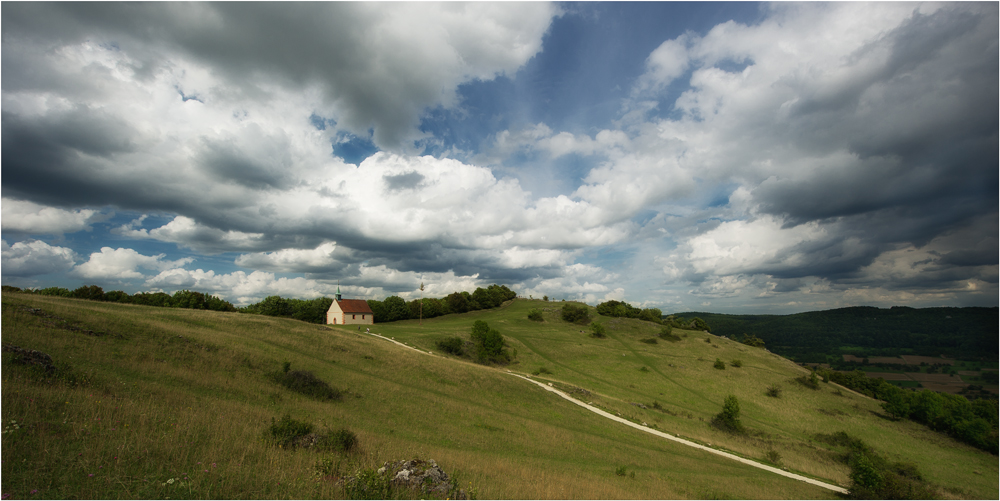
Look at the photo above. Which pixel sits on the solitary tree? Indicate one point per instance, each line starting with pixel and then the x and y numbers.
pixel 729 418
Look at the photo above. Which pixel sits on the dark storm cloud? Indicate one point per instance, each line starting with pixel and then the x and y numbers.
pixel 356 52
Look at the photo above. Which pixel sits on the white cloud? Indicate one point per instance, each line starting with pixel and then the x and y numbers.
pixel 28 217
pixel 122 264
pixel 189 233
pixel 25 259
pixel 294 260
pixel 736 247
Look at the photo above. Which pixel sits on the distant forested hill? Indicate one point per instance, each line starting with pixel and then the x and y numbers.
pixel 967 333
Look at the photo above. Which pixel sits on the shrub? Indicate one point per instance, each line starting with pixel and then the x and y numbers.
pixel 719 364
pixel 597 330
pixel 810 381
pixel 489 344
pixel 736 363
pixel 308 384
pixel 342 440
pixel 542 370
pixel 535 315
pixel 575 314
pixel 729 418
pixel 773 456
pixel 774 391
pixel 667 333
pixel 451 345
pixel 286 431
pixel 644 369
pixel 621 471
pixel 752 340
pixel 649 340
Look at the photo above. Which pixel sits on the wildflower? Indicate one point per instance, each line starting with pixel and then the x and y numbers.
pixel 91 475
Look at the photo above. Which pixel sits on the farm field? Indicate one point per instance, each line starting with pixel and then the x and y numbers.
pixel 157 394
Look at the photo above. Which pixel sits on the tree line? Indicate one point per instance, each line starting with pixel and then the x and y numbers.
pixel 180 299
pixel 395 308
pixel 390 309
pixel 615 308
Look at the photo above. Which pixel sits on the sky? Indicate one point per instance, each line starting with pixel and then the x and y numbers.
pixel 724 157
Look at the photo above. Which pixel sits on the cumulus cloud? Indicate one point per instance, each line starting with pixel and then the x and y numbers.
pixel 320 259
pixel 187 232
pixel 31 218
pixel 25 259
pixel 122 264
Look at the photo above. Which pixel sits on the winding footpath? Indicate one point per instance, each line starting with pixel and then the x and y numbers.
pixel 688 443
pixel 608 415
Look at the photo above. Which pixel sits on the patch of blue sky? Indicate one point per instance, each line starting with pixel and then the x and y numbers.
pixel 353 149
pixel 320 122
pixel 644 216
pixel 545 177
pixel 591 57
pixel 719 195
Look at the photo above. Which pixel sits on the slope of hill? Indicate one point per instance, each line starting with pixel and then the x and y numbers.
pixel 148 395
pixel 966 333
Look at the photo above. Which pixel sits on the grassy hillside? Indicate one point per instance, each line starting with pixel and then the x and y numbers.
pixel 144 395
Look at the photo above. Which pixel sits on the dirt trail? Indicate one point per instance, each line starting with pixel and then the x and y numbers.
pixel 658 433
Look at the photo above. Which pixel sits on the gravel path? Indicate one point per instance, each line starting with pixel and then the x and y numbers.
pixel 658 433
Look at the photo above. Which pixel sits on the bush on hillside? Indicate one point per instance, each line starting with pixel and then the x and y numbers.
pixel 773 391
pixel 597 330
pixel 667 333
pixel 453 345
pixel 575 314
pixel 719 364
pixel 535 315
pixel 306 383
pixel 810 381
pixel 489 344
pixel 287 431
pixel 291 433
pixel 729 418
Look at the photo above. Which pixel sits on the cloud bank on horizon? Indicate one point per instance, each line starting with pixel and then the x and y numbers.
pixel 725 157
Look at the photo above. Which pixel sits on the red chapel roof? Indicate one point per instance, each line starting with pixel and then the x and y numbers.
pixel 354 306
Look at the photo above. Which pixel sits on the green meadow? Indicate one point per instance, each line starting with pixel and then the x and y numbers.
pixel 170 403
